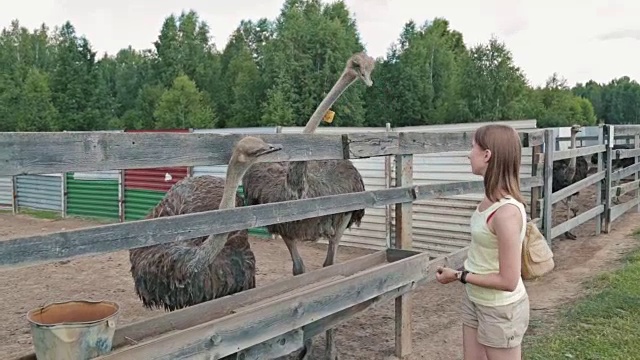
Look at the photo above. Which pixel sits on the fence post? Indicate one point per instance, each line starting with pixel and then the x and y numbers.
pixel 535 191
pixel 389 208
pixel 14 195
pixel 636 142
pixel 403 240
pixel 547 214
pixel 609 138
pixel 63 188
pixel 599 183
pixel 121 214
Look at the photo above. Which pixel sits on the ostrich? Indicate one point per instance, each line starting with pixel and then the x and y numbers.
pixel 567 172
pixel 184 273
pixel 617 164
pixel 274 182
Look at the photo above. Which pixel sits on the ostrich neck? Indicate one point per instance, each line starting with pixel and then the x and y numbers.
pixel 338 88
pixel 296 181
pixel 212 246
pixel 572 162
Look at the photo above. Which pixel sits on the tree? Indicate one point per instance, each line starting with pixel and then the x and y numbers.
pixel 183 106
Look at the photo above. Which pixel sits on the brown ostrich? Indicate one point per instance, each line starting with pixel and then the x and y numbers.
pixel 283 181
pixel 179 274
pixel 567 172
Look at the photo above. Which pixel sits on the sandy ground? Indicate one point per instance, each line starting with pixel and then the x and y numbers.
pixel 436 325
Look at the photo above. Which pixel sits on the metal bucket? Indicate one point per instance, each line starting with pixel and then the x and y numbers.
pixel 73 330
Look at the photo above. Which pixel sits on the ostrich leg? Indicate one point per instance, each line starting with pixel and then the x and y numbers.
pixel 568 234
pixel 330 351
pixel 298 265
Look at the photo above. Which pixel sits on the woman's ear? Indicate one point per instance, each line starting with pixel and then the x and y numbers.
pixel 487 155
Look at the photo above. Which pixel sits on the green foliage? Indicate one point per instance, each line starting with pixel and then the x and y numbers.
pixel 276 72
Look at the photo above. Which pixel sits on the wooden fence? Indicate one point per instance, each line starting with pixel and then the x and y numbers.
pixel 607 175
pixel 271 320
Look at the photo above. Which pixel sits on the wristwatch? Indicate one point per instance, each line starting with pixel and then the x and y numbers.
pixel 462 276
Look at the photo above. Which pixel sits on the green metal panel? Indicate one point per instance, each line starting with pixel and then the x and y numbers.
pixel 92 198
pixel 138 203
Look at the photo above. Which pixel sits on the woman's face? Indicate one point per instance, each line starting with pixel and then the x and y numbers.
pixel 479 159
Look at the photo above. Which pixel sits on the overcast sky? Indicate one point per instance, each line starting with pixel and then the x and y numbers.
pixel 581 40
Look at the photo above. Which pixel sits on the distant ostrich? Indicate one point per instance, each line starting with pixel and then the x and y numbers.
pixel 179 274
pixel 617 164
pixel 567 172
pixel 275 182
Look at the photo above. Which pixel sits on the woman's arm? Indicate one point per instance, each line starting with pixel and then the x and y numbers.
pixel 506 223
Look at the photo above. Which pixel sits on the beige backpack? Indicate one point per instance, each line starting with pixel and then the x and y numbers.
pixel 537 257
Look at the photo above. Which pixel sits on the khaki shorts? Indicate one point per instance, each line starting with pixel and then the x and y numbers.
pixel 498 326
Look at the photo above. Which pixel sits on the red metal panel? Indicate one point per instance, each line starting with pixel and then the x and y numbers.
pixel 158 179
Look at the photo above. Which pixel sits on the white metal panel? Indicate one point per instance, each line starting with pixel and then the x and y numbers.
pixel 40 191
pixel 441 226
pixel 6 191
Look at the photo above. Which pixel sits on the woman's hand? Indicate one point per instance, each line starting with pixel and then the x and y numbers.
pixel 445 275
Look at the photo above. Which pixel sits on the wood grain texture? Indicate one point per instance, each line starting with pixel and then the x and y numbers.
pixel 255 325
pixel 582 151
pixel 51 152
pixel 36 249
pixel 577 221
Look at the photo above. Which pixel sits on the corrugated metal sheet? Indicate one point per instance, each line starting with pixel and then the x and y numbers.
pixel 93 194
pixel 441 226
pixel 6 191
pixel 43 192
pixel 144 188
pixel 138 203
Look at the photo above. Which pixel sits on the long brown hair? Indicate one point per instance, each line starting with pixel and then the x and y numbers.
pixel 503 170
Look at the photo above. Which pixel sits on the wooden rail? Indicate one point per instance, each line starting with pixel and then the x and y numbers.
pixel 41 153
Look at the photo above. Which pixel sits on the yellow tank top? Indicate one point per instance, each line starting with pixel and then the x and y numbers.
pixel 482 257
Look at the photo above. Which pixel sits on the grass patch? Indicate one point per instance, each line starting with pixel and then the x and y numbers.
pixel 40 214
pixel 603 325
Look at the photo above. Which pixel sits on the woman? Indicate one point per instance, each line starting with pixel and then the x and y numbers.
pixel 495 306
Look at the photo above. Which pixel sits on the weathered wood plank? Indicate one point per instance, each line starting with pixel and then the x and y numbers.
pixel 625 188
pixel 619 210
pixel 122 236
pixel 200 313
pixel 255 325
pixel 608 166
pixel 627 130
pixel 403 240
pixel 454 260
pixel 101 239
pixel 50 152
pixel 547 216
pixel 575 187
pixel 576 221
pixel 623 173
pixel 582 151
pixel 536 167
pixel 363 145
pixel 627 153
pixel 424 192
pixel 599 197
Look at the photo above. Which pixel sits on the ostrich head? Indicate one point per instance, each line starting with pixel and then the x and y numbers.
pixel 361 65
pixel 576 129
pixel 249 149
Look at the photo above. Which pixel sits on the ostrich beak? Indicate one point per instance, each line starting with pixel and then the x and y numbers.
pixel 270 148
pixel 367 80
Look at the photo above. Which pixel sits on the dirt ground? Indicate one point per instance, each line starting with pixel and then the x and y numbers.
pixel 436 325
